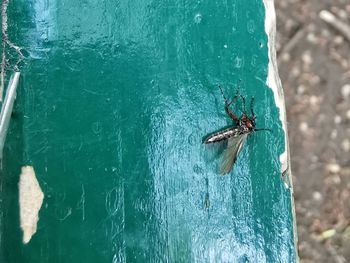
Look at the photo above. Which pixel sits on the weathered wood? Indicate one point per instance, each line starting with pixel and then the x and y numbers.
pixel 115 100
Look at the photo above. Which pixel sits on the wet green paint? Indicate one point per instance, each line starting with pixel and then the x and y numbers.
pixel 114 101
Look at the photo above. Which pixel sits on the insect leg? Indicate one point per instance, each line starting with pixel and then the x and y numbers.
pixel 231 114
pixel 244 108
pixel 252 108
pixel 222 93
pixel 227 105
pixel 233 100
pixel 229 111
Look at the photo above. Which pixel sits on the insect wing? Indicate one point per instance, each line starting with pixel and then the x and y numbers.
pixel 234 146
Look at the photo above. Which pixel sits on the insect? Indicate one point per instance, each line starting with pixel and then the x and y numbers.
pixel 236 135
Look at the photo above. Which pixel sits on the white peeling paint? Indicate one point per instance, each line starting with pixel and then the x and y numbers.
pixel 273 80
pixel 30 201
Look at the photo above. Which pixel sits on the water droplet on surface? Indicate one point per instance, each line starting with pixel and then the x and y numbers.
pixel 197 18
pixel 238 62
pixel 251 26
pixel 192 139
pixel 96 127
pixel 254 60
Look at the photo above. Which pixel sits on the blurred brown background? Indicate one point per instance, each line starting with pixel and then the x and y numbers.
pixel 314 66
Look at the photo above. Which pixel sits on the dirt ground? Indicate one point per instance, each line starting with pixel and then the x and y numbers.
pixel 314 66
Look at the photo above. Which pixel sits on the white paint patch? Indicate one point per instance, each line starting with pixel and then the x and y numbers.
pixel 30 201
pixel 273 80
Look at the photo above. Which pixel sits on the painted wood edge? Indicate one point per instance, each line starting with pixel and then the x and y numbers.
pixel 274 82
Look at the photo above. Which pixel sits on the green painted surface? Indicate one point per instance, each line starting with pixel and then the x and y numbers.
pixel 114 101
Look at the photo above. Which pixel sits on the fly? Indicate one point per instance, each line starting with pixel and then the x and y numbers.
pixel 236 135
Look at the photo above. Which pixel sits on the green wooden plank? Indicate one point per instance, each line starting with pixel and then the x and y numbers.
pixel 115 99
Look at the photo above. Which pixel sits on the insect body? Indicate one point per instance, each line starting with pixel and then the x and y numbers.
pixel 236 135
